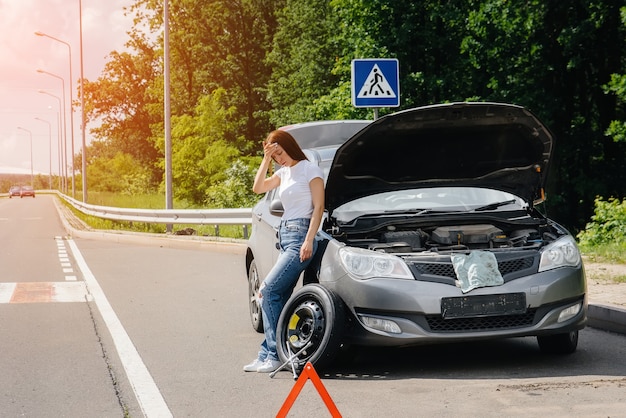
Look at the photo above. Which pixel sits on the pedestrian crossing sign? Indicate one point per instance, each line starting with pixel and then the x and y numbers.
pixel 375 83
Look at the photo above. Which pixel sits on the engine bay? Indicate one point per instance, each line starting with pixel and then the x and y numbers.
pixel 392 239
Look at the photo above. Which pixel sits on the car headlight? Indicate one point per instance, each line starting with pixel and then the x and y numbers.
pixel 561 253
pixel 366 264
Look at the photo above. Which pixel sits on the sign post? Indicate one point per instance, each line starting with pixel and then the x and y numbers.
pixel 375 83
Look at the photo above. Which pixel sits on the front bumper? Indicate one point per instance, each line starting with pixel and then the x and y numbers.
pixel 412 308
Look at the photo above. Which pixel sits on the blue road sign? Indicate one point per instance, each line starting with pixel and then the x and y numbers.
pixel 375 83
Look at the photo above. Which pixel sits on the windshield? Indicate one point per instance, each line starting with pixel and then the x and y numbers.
pixel 425 200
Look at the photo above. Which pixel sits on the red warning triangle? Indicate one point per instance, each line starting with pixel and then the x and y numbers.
pixel 308 373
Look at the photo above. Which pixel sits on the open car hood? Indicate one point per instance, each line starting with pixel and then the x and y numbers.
pixel 492 145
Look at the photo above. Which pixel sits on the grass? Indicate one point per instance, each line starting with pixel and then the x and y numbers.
pixel 149 201
pixel 614 253
pixel 143 201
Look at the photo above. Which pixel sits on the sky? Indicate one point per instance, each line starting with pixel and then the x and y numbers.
pixel 22 53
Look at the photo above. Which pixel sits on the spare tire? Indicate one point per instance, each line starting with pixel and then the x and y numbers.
pixel 312 323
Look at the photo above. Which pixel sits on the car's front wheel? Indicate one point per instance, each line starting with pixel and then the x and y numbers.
pixel 254 283
pixel 311 324
pixel 565 343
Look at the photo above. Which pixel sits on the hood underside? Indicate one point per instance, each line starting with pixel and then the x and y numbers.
pixel 491 145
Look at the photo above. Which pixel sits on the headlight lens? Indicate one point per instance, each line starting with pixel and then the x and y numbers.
pixel 561 253
pixel 366 264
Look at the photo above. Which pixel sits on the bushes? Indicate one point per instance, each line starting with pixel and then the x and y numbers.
pixel 605 235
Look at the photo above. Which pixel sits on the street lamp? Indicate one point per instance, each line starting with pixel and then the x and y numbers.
pixel 64 128
pixel 32 182
pixel 50 142
pixel 69 48
pixel 82 99
pixel 62 156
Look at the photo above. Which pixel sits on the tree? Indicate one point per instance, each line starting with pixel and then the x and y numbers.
pixel 126 104
pixel 554 57
pixel 201 153
pixel 288 61
pixel 119 174
pixel 302 59
pixel 219 44
pixel 236 189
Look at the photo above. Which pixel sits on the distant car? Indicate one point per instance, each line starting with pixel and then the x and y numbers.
pixel 27 191
pixel 432 234
pixel 14 191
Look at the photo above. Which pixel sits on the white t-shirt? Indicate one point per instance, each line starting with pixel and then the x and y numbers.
pixel 295 191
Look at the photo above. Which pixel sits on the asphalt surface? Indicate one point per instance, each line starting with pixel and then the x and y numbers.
pixel 606 302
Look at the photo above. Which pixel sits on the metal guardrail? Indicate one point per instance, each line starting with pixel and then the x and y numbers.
pixel 214 217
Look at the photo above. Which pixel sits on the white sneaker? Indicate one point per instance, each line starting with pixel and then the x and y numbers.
pixel 269 366
pixel 254 366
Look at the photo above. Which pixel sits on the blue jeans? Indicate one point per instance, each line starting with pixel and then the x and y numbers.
pixel 281 280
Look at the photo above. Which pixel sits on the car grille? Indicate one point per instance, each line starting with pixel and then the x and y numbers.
pixel 445 269
pixel 438 324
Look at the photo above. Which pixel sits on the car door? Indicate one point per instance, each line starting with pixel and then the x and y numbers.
pixel 266 249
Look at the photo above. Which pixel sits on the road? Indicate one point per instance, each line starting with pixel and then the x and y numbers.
pixel 100 328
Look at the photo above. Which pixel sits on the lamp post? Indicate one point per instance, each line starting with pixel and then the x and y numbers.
pixel 69 48
pixel 50 142
pixel 62 157
pixel 64 128
pixel 82 101
pixel 32 181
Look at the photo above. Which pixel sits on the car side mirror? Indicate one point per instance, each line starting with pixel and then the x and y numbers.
pixel 276 207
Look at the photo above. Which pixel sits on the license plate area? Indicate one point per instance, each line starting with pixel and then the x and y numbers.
pixel 483 305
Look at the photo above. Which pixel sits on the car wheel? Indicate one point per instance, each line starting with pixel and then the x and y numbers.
pixel 314 317
pixel 559 343
pixel 256 317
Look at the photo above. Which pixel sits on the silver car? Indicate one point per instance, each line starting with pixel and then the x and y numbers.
pixel 432 233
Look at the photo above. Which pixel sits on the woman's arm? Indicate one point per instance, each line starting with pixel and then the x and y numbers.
pixel 317 194
pixel 262 183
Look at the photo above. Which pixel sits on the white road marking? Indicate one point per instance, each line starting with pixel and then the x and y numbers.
pixel 148 395
pixel 70 292
pixel 6 292
pixel 43 292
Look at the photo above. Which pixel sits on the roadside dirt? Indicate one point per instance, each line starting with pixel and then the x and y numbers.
pixel 606 283
pixel 605 272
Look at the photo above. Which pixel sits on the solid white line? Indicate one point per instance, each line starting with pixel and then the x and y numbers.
pixel 148 395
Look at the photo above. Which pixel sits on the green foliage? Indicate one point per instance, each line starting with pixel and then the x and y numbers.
pixel 138 201
pixel 200 152
pixel 241 67
pixel 607 226
pixel 121 101
pixel 236 190
pixel 301 64
pixel 617 86
pixel 119 174
pixel 40 181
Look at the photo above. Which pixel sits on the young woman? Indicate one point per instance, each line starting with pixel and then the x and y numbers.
pixel 301 190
